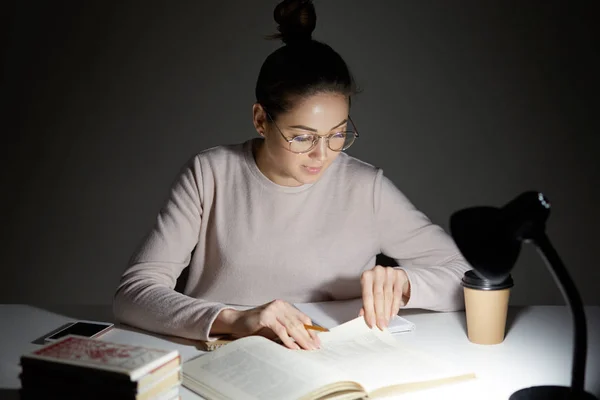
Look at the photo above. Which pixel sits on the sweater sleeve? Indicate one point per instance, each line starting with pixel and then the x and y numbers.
pixel 145 297
pixel 429 256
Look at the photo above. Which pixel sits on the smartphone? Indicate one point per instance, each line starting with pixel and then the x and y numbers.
pixel 88 329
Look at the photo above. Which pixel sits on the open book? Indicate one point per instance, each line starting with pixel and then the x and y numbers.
pixel 353 362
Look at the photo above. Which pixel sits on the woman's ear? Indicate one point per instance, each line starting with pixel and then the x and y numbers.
pixel 259 118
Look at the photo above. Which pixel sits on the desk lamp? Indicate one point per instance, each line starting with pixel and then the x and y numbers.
pixel 490 240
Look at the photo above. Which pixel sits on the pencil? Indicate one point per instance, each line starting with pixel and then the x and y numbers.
pixel 316 328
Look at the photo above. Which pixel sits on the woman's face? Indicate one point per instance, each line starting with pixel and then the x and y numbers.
pixel 321 114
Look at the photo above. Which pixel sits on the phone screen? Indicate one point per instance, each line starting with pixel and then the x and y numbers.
pixel 87 329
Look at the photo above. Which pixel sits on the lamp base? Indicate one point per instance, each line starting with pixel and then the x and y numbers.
pixel 550 393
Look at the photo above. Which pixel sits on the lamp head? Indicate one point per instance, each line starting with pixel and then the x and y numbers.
pixel 490 238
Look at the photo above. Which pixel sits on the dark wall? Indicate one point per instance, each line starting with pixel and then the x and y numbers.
pixel 463 103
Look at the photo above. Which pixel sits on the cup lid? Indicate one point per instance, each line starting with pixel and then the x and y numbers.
pixel 474 281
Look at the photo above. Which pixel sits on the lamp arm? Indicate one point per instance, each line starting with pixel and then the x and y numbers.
pixel 569 290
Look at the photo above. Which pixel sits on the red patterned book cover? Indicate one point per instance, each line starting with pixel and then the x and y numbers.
pixel 133 361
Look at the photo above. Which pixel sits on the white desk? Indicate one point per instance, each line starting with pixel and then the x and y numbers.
pixel 536 351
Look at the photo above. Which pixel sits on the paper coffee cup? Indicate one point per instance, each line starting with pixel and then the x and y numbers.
pixel 486 306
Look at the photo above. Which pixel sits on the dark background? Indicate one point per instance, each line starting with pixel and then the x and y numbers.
pixel 463 103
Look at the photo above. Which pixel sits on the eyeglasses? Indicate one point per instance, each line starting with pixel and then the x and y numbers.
pixel 338 141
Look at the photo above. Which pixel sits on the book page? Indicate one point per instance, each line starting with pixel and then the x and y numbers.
pixel 257 368
pixel 374 358
pixel 330 314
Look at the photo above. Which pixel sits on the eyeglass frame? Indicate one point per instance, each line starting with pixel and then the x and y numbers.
pixel 319 137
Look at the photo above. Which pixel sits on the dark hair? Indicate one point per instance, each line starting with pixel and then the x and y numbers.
pixel 303 66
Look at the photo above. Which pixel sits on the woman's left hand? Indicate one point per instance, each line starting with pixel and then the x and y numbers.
pixel 384 291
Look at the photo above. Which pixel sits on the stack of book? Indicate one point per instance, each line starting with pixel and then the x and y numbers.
pixel 76 367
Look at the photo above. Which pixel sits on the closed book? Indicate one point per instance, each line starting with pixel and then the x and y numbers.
pixel 41 394
pixel 86 389
pixel 96 362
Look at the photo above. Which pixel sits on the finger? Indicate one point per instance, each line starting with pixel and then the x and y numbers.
pixel 367 298
pixel 305 319
pixel 361 312
pixel 378 297
pixel 295 328
pixel 282 333
pixel 388 293
pixel 398 292
pixel 315 338
pixel 397 302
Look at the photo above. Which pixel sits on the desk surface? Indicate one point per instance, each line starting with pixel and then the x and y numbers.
pixel 536 351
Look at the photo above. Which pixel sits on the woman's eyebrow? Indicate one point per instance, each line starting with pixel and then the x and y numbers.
pixel 306 128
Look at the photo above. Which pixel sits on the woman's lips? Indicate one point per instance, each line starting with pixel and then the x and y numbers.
pixel 312 170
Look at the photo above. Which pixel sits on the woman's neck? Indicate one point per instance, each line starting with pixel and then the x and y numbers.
pixel 267 167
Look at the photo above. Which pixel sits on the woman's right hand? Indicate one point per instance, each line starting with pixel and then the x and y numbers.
pixel 275 319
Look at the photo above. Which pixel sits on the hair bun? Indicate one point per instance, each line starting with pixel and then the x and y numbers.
pixel 297 20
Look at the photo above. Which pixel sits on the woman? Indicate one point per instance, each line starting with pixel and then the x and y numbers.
pixel 287 217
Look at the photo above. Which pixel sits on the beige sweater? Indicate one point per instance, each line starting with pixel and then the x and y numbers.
pixel 247 241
